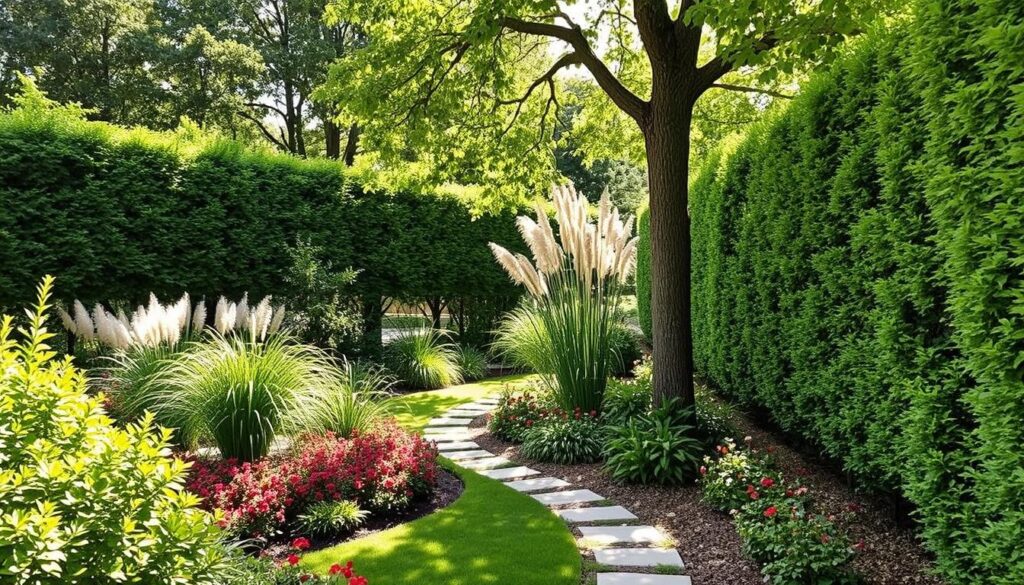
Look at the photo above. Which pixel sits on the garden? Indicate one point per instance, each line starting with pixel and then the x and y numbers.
pixel 539 293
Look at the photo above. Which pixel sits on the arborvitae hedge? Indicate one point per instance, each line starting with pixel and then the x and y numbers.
pixel 859 272
pixel 116 214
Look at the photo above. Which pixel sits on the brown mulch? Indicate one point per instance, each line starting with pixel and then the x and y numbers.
pixel 707 540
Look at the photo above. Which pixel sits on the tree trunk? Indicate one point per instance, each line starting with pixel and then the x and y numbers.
pixel 667 140
pixel 332 134
pixel 351 144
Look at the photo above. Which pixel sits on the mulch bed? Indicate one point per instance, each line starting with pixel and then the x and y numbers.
pixel 707 540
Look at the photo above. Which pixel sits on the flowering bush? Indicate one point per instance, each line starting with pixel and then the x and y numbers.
pixel 514 415
pixel 288 571
pixel 382 469
pixel 774 520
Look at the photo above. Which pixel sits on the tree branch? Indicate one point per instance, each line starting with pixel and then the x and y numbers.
pixel 263 130
pixel 549 79
pixel 746 89
pixel 625 99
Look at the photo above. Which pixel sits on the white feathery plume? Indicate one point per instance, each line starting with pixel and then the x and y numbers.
pixel 275 323
pixel 83 324
pixel 230 317
pixel 199 317
pixel 67 320
pixel 259 321
pixel 184 308
pixel 220 316
pixel 242 312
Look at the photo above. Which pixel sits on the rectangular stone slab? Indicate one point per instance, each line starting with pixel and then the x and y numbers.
pixel 447 421
pixel 454 436
pixel 622 534
pixel 638 557
pixel 509 472
pixel 457 446
pixel 471 454
pixel 538 484
pixel 461 413
pixel 596 514
pixel 567 497
pixel 638 579
pixel 485 463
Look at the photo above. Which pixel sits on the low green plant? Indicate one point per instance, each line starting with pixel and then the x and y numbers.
pixel 625 400
pixel 241 393
pixel 714 417
pixel 331 518
pixel 423 360
pixel 472 362
pixel 131 376
pixel 657 447
pixel 82 501
pixel 354 401
pixel 521 340
pixel 516 413
pixel 724 478
pixel 624 347
pixel 573 439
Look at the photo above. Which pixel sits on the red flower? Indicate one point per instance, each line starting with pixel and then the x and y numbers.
pixel 300 543
pixel 358 581
pixel 860 546
pixel 334 570
pixel 767 482
pixel 304 577
pixel 293 559
pixel 703 470
pixel 789 493
pixel 770 512
pixel 752 492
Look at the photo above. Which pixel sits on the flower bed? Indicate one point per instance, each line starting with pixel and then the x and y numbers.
pixel 380 471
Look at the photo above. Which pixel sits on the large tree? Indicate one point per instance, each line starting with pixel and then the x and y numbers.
pixel 451 72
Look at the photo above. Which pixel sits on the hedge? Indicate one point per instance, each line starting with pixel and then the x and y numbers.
pixel 116 214
pixel 859 274
pixel 643 270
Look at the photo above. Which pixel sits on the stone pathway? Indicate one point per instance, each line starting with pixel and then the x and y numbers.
pixel 621 547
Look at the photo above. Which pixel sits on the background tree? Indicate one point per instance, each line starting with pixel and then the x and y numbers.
pixel 454 73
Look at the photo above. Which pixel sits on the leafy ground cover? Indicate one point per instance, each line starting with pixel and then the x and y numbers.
pixel 491 534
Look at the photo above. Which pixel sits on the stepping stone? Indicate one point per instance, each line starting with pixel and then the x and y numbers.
pixel 567 497
pixel 466 412
pixel 447 421
pixel 487 401
pixel 638 557
pixel 453 435
pixel 457 446
pixel 622 535
pixel 471 454
pixel 485 463
pixel 640 579
pixel 598 514
pixel 509 472
pixel 538 484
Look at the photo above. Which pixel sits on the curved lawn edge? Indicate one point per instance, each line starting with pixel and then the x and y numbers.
pixel 490 534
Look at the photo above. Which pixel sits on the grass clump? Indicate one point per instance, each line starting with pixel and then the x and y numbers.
pixel 423 360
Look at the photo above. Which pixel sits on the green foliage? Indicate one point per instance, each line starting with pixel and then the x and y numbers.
pixel 353 401
pixel 132 380
pixel 80 500
pixel 327 313
pixel 643 270
pixel 625 400
pixel 856 272
pixel 192 213
pixel 241 394
pixel 423 360
pixel 522 341
pixel 331 518
pixel 658 447
pixel 564 440
pixel 624 348
pixel 516 414
pixel 472 362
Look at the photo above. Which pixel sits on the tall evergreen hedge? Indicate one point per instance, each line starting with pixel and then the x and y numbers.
pixel 859 273
pixel 116 214
pixel 643 270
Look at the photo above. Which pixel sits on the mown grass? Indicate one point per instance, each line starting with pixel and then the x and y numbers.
pixel 491 534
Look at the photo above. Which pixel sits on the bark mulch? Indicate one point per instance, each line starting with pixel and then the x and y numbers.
pixel 707 539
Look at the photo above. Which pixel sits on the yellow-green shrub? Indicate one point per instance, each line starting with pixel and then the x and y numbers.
pixel 80 500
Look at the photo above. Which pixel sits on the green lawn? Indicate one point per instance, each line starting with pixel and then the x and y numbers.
pixel 491 534
pixel 413 411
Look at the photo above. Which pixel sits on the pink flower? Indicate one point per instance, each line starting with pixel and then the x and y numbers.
pixel 770 512
pixel 767 482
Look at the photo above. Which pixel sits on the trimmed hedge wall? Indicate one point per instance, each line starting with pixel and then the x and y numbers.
pixel 116 214
pixel 859 273
pixel 643 270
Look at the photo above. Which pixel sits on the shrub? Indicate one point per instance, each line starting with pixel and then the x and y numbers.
pixel 423 360
pixel 331 518
pixel 643 270
pixel 329 315
pixel 80 500
pixel 724 479
pixel 624 347
pixel 515 414
pixel 472 362
pixel 625 400
pixel 575 287
pixel 241 393
pixel 522 341
pixel 658 447
pixel 573 439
